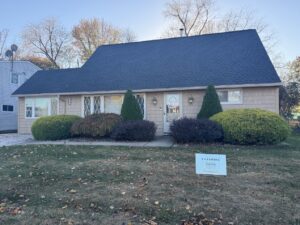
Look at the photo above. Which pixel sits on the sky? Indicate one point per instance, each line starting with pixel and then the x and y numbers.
pixel 145 17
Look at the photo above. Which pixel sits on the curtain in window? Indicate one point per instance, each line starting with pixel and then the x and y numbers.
pixel 113 104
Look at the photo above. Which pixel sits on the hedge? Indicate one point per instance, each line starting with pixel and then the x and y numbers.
pixel 252 126
pixel 96 125
pixel 53 127
pixel 188 130
pixel 138 130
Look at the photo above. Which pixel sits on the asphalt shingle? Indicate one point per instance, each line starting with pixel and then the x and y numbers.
pixel 231 58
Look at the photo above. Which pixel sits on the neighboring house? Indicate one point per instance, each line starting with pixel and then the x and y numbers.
pixel 12 75
pixel 168 76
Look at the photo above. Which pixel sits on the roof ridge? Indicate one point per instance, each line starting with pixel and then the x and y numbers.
pixel 173 38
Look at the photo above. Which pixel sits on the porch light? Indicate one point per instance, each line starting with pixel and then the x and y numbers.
pixel 154 101
pixel 191 100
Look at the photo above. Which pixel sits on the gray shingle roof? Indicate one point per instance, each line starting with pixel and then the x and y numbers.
pixel 231 58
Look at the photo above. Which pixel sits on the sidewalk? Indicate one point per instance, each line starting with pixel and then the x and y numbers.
pixel 18 139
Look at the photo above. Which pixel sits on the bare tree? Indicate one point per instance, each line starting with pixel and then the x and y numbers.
pixel 192 16
pixel 42 62
pixel 198 17
pixel 48 39
pixel 3 37
pixel 128 35
pixel 247 19
pixel 92 33
pixel 293 74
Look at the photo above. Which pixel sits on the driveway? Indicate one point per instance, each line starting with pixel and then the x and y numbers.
pixel 14 139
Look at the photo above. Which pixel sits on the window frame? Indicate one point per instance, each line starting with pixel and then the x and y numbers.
pixel 49 99
pixel 228 102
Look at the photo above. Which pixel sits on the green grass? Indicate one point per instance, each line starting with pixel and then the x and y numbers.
pixel 109 185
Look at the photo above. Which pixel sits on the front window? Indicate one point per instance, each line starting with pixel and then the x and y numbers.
pixel 38 107
pixel 113 104
pixel 87 106
pixel 107 104
pixel 230 96
pixel 141 100
pixel 41 107
pixel 97 104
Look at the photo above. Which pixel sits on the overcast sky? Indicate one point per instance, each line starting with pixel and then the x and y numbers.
pixel 145 17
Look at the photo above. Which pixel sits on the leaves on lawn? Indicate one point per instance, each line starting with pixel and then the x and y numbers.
pixel 201 219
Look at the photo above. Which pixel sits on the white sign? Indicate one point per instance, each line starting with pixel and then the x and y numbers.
pixel 211 164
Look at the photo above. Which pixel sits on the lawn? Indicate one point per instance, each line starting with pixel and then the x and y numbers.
pixel 111 185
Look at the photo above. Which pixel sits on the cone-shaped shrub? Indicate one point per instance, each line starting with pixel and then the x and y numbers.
pixel 211 103
pixel 130 108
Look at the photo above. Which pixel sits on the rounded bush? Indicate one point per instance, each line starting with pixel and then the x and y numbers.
pixel 135 130
pixel 53 127
pixel 96 125
pixel 188 130
pixel 252 126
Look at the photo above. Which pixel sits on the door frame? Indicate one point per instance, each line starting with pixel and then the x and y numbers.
pixel 166 126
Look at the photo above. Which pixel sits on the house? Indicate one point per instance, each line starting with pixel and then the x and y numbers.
pixel 168 76
pixel 12 75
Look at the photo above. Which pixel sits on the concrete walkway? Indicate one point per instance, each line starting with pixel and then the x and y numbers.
pixel 18 139
pixel 14 139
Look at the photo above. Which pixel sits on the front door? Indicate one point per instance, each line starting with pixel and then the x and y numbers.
pixel 172 109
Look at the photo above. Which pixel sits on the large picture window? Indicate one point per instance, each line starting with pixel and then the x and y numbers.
pixel 38 107
pixel 230 96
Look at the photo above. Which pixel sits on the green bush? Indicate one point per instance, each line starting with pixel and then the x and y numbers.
pixel 130 108
pixel 53 127
pixel 252 126
pixel 211 103
pixel 96 125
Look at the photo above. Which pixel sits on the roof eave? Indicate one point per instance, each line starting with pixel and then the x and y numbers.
pixel 154 89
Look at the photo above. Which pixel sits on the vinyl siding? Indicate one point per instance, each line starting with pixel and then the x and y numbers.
pixel 155 113
pixel 25 69
pixel 261 97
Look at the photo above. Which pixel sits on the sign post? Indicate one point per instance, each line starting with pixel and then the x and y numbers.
pixel 211 164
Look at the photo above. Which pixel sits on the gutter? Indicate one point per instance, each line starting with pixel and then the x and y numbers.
pixel 154 90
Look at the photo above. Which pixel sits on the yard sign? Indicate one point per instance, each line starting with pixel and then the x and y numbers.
pixel 211 164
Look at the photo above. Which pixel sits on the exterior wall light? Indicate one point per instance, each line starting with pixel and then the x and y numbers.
pixel 154 101
pixel 191 100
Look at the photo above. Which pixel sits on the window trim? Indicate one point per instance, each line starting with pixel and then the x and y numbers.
pixel 232 103
pixel 33 106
